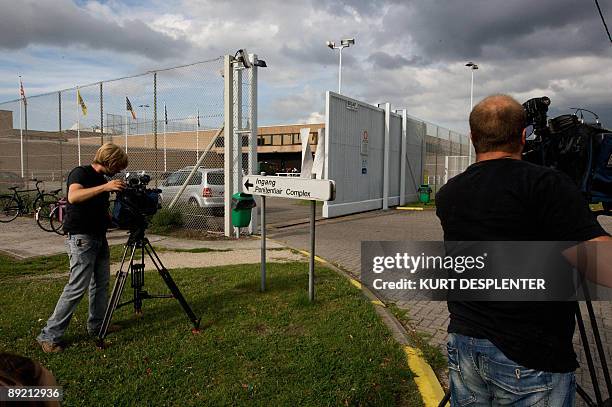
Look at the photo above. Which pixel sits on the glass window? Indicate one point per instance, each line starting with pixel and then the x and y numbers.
pixel 215 178
pixel 276 139
pixel 196 179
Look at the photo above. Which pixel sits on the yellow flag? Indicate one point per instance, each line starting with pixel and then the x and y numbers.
pixel 81 103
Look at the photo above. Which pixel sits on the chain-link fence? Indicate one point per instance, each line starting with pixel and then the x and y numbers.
pixel 166 120
pixel 440 145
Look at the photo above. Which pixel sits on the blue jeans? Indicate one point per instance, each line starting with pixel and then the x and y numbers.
pixel 480 375
pixel 89 267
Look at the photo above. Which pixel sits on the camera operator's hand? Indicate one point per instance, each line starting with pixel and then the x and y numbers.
pixel 114 185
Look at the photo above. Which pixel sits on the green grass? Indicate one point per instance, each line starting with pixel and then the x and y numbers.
pixel 432 354
pixel 269 349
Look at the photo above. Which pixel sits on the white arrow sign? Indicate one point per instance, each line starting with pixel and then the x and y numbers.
pixel 289 187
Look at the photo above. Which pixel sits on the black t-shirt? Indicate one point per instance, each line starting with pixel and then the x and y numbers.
pixel 90 216
pixel 513 200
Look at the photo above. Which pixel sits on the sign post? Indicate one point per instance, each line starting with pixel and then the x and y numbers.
pixel 290 188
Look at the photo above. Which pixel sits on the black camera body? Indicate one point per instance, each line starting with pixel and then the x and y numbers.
pixel 567 143
pixel 135 205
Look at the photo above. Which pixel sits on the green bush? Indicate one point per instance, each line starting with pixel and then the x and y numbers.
pixel 166 220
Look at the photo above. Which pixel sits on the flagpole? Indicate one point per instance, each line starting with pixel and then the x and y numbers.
pixel 21 124
pixel 165 125
pixel 126 125
pixel 78 126
pixel 198 135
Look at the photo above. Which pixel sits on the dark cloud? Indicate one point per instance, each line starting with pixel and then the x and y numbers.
pixel 382 60
pixel 61 23
pixel 467 29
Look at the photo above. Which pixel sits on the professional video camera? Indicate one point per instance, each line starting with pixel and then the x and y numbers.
pixel 136 203
pixel 568 143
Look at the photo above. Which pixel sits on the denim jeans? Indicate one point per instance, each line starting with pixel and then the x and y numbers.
pixel 89 267
pixel 480 375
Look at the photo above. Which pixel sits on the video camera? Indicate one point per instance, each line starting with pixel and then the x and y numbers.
pixel 136 203
pixel 568 143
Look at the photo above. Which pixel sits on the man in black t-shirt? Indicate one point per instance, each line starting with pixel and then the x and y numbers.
pixel 511 352
pixel 86 221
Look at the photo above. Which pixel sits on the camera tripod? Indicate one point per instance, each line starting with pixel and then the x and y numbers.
pixel 137 242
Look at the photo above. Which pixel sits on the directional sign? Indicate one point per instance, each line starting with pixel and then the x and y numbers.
pixel 289 187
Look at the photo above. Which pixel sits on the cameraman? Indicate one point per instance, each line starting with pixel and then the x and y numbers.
pixel 511 352
pixel 87 219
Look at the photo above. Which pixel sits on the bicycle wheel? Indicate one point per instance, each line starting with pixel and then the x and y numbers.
pixel 56 218
pixel 43 205
pixel 9 208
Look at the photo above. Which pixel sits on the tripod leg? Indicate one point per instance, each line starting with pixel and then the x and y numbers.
pixel 116 295
pixel 138 282
pixel 587 353
pixel 165 275
pixel 600 349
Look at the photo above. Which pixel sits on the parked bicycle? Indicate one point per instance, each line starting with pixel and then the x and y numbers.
pixel 57 216
pixel 17 204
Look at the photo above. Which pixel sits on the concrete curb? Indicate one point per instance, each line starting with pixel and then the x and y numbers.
pixel 425 378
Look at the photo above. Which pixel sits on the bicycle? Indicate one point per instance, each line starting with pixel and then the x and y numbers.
pixel 14 205
pixel 57 215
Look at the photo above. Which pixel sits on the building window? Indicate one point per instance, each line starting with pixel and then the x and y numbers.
pixel 287 139
pixel 296 138
pixel 267 140
pixel 277 139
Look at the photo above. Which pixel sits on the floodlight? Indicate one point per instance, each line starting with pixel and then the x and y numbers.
pixel 347 41
pixel 331 44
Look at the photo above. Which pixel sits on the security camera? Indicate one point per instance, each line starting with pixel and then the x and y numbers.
pixel 243 56
pixel 331 44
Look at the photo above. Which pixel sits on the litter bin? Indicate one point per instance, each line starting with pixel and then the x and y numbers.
pixel 424 193
pixel 241 209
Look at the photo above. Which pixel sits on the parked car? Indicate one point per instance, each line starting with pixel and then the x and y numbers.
pixel 10 179
pixel 205 189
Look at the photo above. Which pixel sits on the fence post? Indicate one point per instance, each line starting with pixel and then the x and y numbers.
pixel 61 137
pixel 403 149
pixel 228 112
pixel 385 203
pixel 155 125
pixel 101 115
pixel 253 136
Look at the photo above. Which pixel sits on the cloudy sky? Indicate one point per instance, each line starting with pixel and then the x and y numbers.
pixel 409 53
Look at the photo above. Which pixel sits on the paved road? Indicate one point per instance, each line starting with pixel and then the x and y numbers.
pixel 338 240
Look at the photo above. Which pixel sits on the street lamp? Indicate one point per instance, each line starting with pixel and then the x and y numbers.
pixel 472 67
pixel 144 119
pixel 345 43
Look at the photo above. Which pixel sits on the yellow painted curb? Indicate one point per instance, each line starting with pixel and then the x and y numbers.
pixel 317 258
pixel 409 208
pixel 425 379
pixel 356 283
pixel 379 303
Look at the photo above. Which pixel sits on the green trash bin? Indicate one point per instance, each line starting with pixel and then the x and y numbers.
pixel 241 209
pixel 424 193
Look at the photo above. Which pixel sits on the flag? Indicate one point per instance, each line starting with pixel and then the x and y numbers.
pixel 128 107
pixel 165 115
pixel 81 103
pixel 198 119
pixel 22 92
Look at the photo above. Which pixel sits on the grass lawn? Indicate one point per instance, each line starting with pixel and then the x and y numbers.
pixel 269 349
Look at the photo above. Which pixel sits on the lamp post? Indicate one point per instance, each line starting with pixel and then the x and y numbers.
pixel 345 43
pixel 472 67
pixel 144 119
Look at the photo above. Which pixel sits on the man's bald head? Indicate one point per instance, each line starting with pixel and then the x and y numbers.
pixel 497 124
